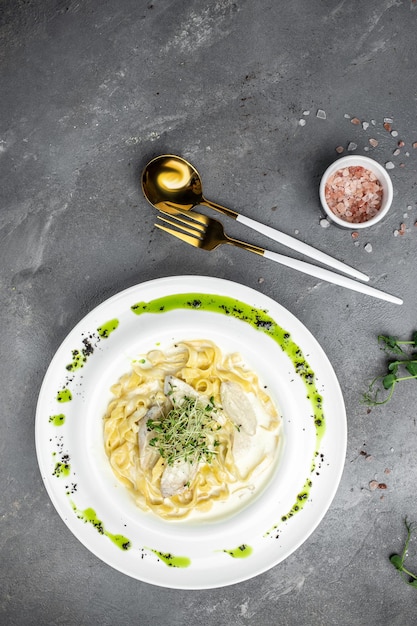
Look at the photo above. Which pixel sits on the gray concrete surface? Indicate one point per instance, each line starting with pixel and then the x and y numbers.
pixel 92 90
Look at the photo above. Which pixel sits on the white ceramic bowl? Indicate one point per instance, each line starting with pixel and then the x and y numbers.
pixel 371 165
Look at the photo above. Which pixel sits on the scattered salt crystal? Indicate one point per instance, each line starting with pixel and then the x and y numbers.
pixel 296 232
pixel 352 146
pixel 321 114
pixel 373 485
pixel 261 280
pixel 365 125
pixel 389 165
pixel 355 121
pixel 394 133
pixel 324 223
pixel 366 148
pixel 347 116
pixel 373 122
pixel 388 120
pixel 368 247
pixel 405 215
pixel 356 243
pixel 306 112
pixel 396 233
pixel 339 149
pixel 373 142
pixel 396 152
pixel 302 122
pixel 407 154
pixel 409 207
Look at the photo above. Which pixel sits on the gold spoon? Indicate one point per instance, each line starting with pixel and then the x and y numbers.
pixel 169 182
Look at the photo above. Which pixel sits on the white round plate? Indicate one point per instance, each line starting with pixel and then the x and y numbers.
pixel 97 508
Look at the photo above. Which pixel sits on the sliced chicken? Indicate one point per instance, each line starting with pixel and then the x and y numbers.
pixel 177 390
pixel 242 451
pixel 237 407
pixel 148 455
pixel 177 477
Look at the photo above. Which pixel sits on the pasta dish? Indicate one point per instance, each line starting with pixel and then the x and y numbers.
pixel 189 427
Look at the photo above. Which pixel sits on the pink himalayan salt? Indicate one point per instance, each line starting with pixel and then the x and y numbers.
pixel 354 194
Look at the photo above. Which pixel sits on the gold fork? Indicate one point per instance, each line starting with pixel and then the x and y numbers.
pixel 207 233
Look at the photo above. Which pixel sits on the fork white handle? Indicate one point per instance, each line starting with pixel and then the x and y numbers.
pixel 300 246
pixel 331 277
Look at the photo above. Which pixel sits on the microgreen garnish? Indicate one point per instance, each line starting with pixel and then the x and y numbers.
pixel 187 432
pixel 398 559
pixel 400 369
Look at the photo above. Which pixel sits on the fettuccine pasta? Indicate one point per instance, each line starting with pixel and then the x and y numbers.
pixel 234 458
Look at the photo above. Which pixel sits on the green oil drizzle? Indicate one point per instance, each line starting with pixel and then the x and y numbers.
pixel 171 560
pixel 260 320
pixel 89 516
pixel 300 501
pixel 64 395
pixel 78 360
pixel 241 552
pixel 57 420
pixel 106 329
pixel 61 469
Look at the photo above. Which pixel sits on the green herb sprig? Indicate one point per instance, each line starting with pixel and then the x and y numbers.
pixel 398 559
pixel 398 370
pixel 187 433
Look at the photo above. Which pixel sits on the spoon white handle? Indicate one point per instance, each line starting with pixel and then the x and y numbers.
pixel 331 277
pixel 300 246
